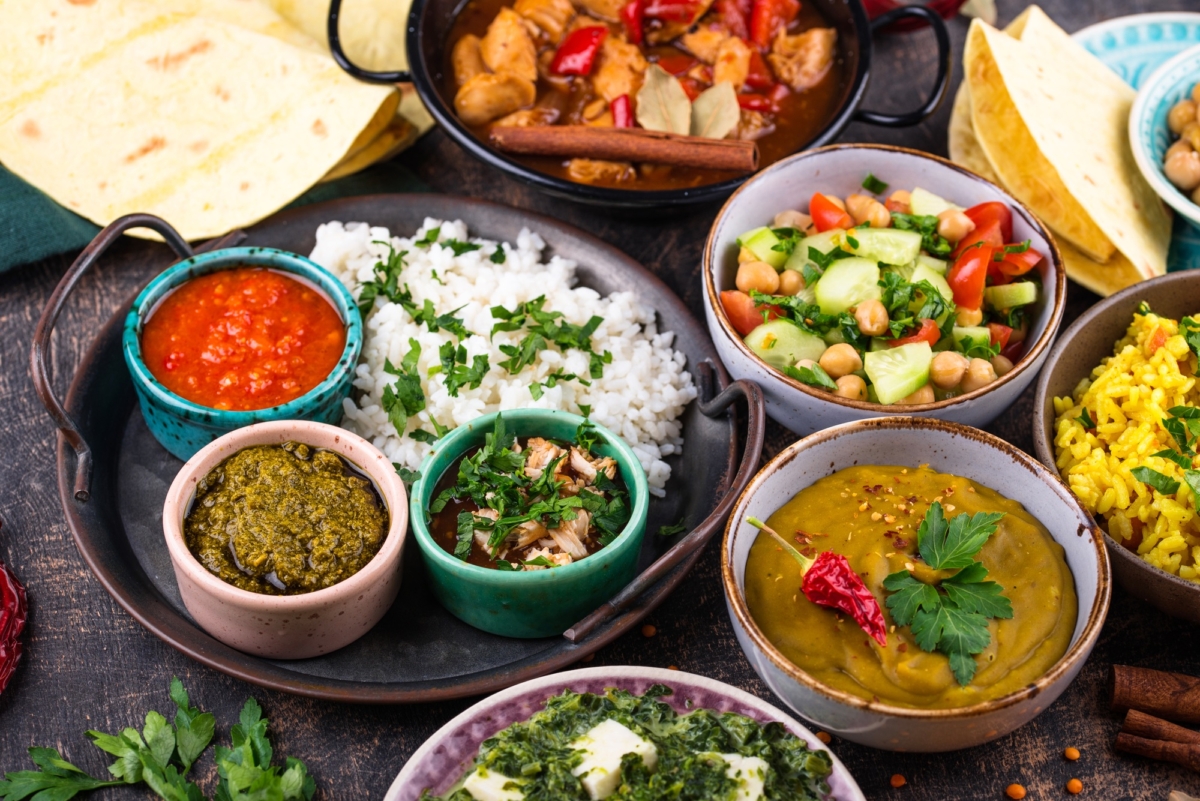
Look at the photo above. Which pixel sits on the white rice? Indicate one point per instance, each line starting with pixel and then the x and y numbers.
pixel 640 396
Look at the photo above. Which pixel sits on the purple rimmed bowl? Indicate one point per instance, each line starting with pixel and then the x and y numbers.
pixel 445 756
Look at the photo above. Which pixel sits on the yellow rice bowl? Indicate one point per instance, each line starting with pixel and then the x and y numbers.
pixel 1127 397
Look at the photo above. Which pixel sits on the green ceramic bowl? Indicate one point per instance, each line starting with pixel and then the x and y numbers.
pixel 535 603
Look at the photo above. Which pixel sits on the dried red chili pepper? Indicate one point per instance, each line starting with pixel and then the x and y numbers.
pixel 622 112
pixel 13 611
pixel 632 17
pixel 830 581
pixel 577 53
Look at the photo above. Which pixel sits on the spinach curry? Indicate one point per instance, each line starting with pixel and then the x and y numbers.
pixel 1013 632
pixel 285 519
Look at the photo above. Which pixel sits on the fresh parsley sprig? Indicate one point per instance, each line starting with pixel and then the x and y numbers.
pixel 933 243
pixel 404 397
pixel 386 281
pixel 952 616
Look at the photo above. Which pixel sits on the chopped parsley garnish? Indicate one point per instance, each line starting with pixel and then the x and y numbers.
pixel 585 410
pixel 430 238
pixel 1017 248
pixel 386 281
pixel 586 436
pixel 498 256
pixel 812 375
pixel 405 397
pixel 537 389
pixel 979 347
pixel 1085 419
pixel 788 239
pixel 542 329
pixel 808 317
pixel 952 616
pixel 1152 478
pixel 1184 462
pixel 458 374
pixel 671 529
pixel 926 225
pixel 460 248
pixel 421 435
pixel 1190 328
pixel 874 185
pixel 409 477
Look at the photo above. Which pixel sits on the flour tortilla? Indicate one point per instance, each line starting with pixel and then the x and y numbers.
pixel 1061 149
pixel 391 141
pixel 372 32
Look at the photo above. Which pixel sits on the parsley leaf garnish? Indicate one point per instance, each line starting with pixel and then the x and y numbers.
pixel 430 238
pixel 1156 480
pixel 947 546
pixel 386 281
pixel 1085 419
pixel 671 529
pixel 979 347
pixel 409 477
pixel 458 374
pixel 874 185
pixel 788 239
pixel 1190 328
pixel 421 435
pixel 812 375
pixel 926 226
pixel 1184 462
pixel 536 389
pixel 498 256
pixel 460 248
pixel 405 397
pixel 544 328
pixel 586 436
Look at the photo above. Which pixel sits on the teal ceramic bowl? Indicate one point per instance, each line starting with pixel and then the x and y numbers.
pixel 184 427
pixel 536 603
pixel 1148 133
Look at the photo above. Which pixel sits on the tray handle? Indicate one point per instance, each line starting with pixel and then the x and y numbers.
pixel 333 32
pixel 45 329
pixel 701 534
pixel 941 83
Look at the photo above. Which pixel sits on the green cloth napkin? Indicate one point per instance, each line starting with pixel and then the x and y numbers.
pixel 34 227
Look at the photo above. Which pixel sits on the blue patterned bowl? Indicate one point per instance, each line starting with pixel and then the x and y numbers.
pixel 1148 132
pixel 184 427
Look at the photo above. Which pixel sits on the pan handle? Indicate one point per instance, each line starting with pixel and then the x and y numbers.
pixel 343 61
pixel 940 84
pixel 45 326
pixel 701 534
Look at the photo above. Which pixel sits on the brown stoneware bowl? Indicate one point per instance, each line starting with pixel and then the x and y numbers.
pixel 289 626
pixel 1080 348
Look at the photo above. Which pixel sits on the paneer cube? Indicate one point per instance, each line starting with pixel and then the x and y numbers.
pixel 749 773
pixel 488 785
pixel 603 746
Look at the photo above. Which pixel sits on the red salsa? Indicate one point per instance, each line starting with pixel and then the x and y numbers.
pixel 242 339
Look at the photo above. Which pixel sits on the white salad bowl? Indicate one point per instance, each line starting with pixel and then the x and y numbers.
pixel 840 170
pixel 948 448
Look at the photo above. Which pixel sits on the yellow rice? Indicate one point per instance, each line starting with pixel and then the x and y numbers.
pixel 1127 397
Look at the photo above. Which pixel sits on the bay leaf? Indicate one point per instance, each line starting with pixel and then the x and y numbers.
pixel 715 112
pixel 662 105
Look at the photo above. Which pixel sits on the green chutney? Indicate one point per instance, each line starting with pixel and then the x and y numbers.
pixel 285 520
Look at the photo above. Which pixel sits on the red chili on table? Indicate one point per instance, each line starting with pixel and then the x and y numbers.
pixel 241 339
pixel 13 612
pixel 830 581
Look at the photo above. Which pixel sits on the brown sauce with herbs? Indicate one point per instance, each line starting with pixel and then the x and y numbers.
pixel 801 115
pixel 285 520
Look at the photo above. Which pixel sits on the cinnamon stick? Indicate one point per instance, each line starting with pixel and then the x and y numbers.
pixel 1149 727
pixel 1186 754
pixel 627 144
pixel 1173 696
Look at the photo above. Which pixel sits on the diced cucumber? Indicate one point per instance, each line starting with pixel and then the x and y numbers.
pixel 834 336
pixel 847 283
pixel 1009 296
pixel 807 294
pixel 761 242
pixel 878 343
pixel 897 373
pixel 923 273
pixel 781 343
pixel 905 271
pixel 824 242
pixel 927 204
pixel 937 265
pixel 974 333
pixel 887 245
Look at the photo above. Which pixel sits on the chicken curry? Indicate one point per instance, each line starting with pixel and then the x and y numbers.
pixel 558 62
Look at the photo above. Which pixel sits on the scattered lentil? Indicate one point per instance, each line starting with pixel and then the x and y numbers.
pixel 649 630
pixel 1015 792
pixel 1074 787
pixel 898 780
pixel 1071 754
pixel 825 737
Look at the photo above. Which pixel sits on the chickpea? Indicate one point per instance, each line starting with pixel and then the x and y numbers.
pixel 793 219
pixel 872 318
pixel 851 387
pixel 745 255
pixel 1180 115
pixel 839 360
pixel 868 210
pixel 947 369
pixel 757 275
pixel 1001 364
pixel 809 363
pixel 980 373
pixel 1179 145
pixel 968 317
pixel 922 395
pixel 900 201
pixel 790 282
pixel 953 225
pixel 1183 170
pixel 1191 135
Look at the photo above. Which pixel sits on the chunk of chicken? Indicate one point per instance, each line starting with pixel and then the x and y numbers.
pixel 752 125
pixel 581 465
pixel 467 59
pixel 530 118
pixel 606 465
pixel 488 96
pixel 508 47
pixel 526 534
pixel 703 43
pixel 539 454
pixel 591 171
pixel 801 61
pixel 549 16
pixel 733 63
pixel 559 559
pixel 604 9
pixel 621 69
pixel 673 30
pixel 571 535
pixel 483 534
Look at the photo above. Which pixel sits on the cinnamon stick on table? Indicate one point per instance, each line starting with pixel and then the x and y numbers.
pixel 1148 727
pixel 1173 696
pixel 1186 754
pixel 627 144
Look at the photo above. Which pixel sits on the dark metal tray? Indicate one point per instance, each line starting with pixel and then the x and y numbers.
pixel 418 652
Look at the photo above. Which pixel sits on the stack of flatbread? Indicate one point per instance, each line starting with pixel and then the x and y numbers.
pixel 209 113
pixel 1042 117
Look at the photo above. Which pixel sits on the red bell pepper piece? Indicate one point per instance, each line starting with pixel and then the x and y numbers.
pixel 672 10
pixel 735 14
pixel 830 581
pixel 743 315
pixel 622 112
pixel 577 54
pixel 1000 334
pixel 632 17
pixel 13 611
pixel 968 277
pixel 691 87
pixel 676 63
pixel 759 76
pixel 753 102
pixel 770 16
pixel 928 332
pixel 826 215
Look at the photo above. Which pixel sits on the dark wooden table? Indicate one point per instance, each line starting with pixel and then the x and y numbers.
pixel 89 665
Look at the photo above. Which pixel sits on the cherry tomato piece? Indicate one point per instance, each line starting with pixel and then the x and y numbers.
pixel 992 211
pixel 988 233
pixel 743 315
pixel 826 215
pixel 1000 334
pixel 1018 263
pixel 968 277
pixel 928 332
pixel 1014 351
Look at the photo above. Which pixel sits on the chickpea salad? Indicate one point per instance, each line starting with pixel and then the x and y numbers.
pixel 907 300
pixel 1181 163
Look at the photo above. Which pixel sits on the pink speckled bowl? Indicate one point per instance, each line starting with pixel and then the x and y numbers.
pixel 289 626
pixel 445 756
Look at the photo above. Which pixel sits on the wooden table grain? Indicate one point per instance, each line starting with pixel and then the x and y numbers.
pixel 88 664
